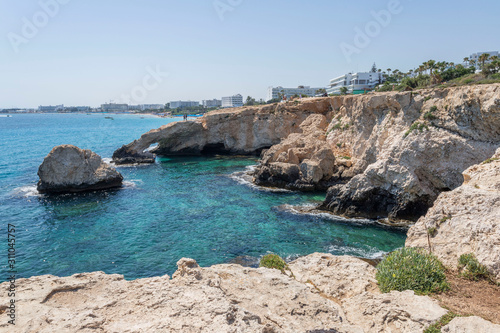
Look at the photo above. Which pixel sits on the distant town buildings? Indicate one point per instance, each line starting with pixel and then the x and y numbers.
pixel 211 103
pixel 50 108
pixel 277 92
pixel 144 107
pixel 232 101
pixel 355 83
pixel 112 107
pixel 474 58
pixel 183 104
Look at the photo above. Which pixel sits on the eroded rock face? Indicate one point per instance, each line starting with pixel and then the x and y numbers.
pixel 465 220
pixel 338 277
pixel 68 169
pixel 402 157
pixel 392 312
pixel 301 161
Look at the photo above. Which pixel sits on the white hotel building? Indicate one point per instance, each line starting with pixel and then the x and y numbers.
pixel 211 103
pixel 232 101
pixel 274 92
pixel 356 83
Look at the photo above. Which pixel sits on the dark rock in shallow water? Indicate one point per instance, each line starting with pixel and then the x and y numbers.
pixel 69 169
pixel 126 155
pixel 245 261
pixel 373 203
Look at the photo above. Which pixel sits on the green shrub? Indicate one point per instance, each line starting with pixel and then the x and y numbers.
pixel 434 108
pixel 416 126
pixel 427 98
pixel 429 116
pixel 337 125
pixel 471 268
pixel 411 269
pixel 489 160
pixel 444 219
pixel 273 261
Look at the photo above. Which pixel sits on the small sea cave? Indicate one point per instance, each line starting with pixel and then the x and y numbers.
pixel 214 149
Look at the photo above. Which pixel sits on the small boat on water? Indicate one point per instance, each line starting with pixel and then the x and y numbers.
pixel 109 118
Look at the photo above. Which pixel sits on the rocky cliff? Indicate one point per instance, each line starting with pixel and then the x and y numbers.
pixel 465 220
pixel 246 130
pixel 406 148
pixel 379 155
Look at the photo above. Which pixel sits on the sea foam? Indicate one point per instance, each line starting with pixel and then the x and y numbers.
pixel 25 192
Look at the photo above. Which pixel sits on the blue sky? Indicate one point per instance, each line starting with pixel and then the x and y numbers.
pixel 89 52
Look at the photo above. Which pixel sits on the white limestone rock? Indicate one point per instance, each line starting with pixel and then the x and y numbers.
pixel 68 168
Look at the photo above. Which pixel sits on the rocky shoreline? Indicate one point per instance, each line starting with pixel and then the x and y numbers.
pixel 430 159
pixel 384 155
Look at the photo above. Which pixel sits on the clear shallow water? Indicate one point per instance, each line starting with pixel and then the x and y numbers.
pixel 179 207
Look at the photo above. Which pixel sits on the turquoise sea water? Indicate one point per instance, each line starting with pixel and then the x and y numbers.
pixel 196 207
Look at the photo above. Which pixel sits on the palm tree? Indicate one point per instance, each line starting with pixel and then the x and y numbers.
pixel 425 65
pixel 466 60
pixel 483 58
pixel 431 64
pixel 389 71
pixel 421 69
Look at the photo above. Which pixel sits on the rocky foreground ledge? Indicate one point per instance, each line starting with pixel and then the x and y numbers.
pixel 328 294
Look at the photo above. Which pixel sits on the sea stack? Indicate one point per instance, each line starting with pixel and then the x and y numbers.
pixel 69 169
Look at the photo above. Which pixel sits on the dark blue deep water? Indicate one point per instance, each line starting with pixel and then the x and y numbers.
pixel 193 207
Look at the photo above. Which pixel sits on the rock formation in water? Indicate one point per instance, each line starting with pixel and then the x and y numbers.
pixel 465 220
pixel 302 161
pixel 381 155
pixel 68 169
pixel 329 294
pixel 245 130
